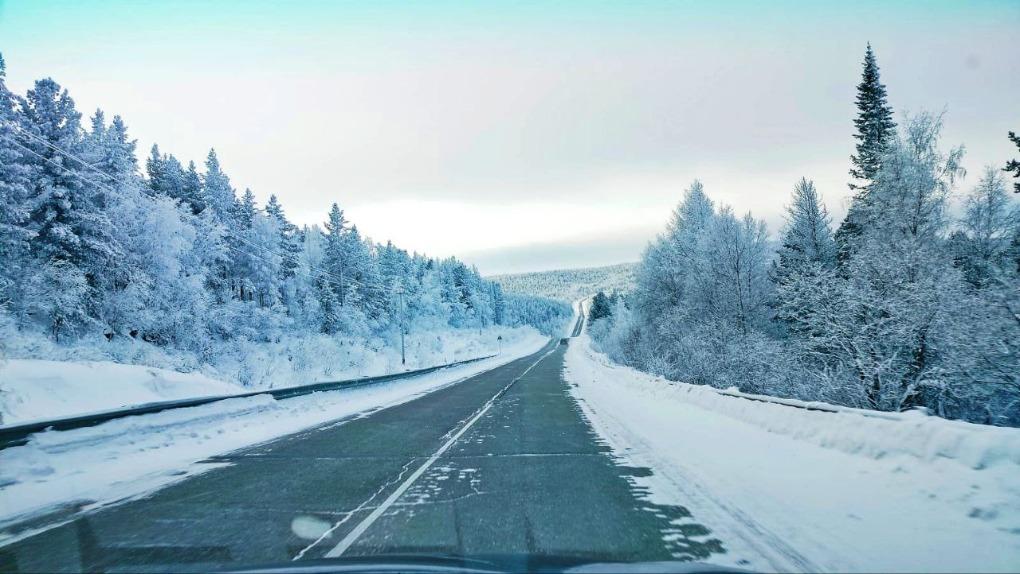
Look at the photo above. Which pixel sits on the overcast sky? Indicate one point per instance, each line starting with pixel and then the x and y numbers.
pixel 521 136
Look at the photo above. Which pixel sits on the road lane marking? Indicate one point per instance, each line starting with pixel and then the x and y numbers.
pixel 360 529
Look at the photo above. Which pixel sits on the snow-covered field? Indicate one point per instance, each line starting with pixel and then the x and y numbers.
pixel 788 489
pixel 126 458
pixel 81 382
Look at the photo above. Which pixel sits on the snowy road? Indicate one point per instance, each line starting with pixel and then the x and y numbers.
pixel 503 463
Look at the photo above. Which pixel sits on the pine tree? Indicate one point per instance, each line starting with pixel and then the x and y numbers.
pixel 166 176
pixel 289 246
pixel 363 273
pixel 191 189
pixel 112 179
pixel 274 209
pixel 804 259
pixel 875 128
pixel 73 232
pixel 600 307
pixel 668 265
pixel 1013 165
pixel 217 191
pixel 154 169
pixel 14 191
pixel 245 210
pixel 48 114
pixel 110 154
pixel 335 263
pixel 807 238
pixel 874 123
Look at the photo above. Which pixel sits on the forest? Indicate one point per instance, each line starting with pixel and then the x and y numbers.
pixel 907 304
pixel 569 284
pixel 99 248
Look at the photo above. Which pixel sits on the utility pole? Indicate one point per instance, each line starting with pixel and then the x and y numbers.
pixel 400 292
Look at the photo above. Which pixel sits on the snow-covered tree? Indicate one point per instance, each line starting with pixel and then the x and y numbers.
pixel 989 224
pixel 15 180
pixel 216 190
pixel 807 236
pixel 886 324
pixel 68 216
pixel 874 129
pixel 288 241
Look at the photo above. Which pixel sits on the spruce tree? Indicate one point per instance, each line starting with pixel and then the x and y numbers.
pixel 1013 166
pixel 245 210
pixel 217 191
pixel 289 247
pixel 166 176
pixel 335 253
pixel 154 168
pixel 599 307
pixel 875 129
pixel 807 237
pixel 14 189
pixel 804 260
pixel 192 189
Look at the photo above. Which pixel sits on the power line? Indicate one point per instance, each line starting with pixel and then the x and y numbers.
pixel 50 161
pixel 54 147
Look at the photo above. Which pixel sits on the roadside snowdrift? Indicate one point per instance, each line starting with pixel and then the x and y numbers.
pixel 855 431
pixel 792 489
pixel 33 390
pixel 36 390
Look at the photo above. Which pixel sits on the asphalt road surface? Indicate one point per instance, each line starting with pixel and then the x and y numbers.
pixel 503 463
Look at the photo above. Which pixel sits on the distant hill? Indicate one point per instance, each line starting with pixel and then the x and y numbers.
pixel 570 284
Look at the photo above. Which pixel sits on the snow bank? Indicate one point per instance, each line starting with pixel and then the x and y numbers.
pixel 36 390
pixel 788 489
pixel 855 431
pixel 126 458
pixel 33 390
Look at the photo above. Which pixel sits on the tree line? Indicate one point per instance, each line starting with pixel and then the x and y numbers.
pixel 92 246
pixel 901 306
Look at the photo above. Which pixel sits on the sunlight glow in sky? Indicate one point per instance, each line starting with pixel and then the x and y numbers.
pixel 521 136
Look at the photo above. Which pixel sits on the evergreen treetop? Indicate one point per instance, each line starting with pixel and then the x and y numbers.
pixel 1013 165
pixel 874 123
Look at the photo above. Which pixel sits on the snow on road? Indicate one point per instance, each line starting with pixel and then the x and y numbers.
pixel 790 489
pixel 126 458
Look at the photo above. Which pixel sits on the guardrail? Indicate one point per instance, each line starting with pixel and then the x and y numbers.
pixel 811 405
pixel 16 435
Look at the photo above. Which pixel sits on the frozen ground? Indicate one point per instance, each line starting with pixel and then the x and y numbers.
pixel 79 383
pixel 126 458
pixel 788 489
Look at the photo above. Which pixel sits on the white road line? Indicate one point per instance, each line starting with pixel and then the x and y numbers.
pixel 360 529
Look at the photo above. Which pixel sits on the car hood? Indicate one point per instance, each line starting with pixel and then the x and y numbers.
pixel 443 563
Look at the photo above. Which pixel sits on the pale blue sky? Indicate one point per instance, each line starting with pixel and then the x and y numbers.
pixel 521 135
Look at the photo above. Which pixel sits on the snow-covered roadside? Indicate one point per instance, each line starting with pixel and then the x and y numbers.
pixel 791 489
pixel 126 458
pixel 32 390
